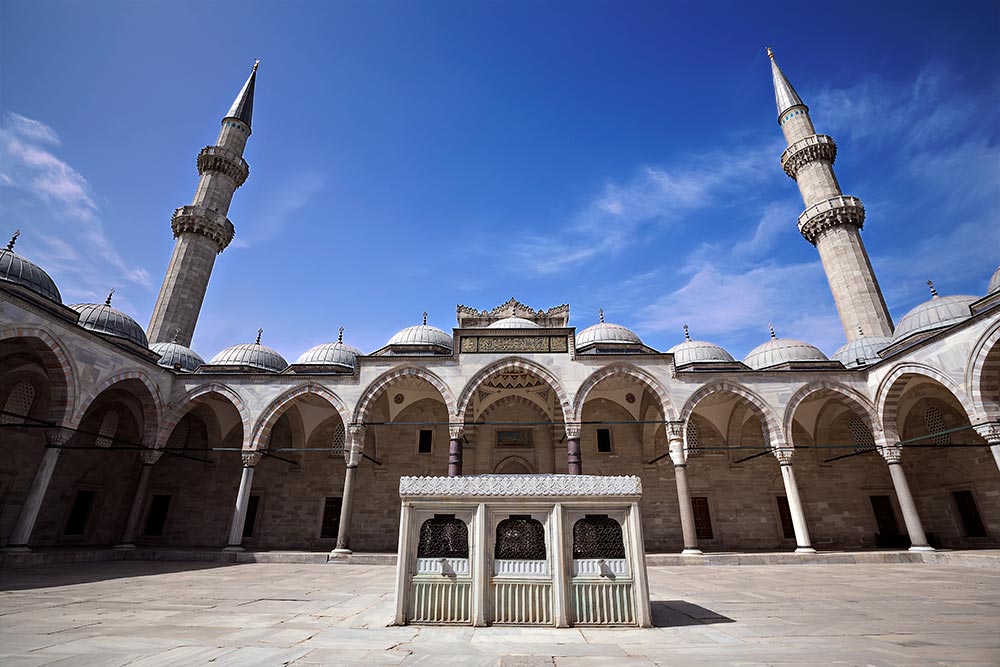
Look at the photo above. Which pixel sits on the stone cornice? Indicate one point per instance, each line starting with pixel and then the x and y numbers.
pixel 804 151
pixel 521 486
pixel 216 158
pixel 833 212
pixel 204 221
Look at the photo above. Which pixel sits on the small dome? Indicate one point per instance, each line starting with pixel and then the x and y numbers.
pixel 862 351
pixel 780 351
pixel 994 282
pixel 604 332
pixel 20 271
pixel 103 319
pixel 422 335
pixel 698 351
pixel 940 311
pixel 253 355
pixel 514 323
pixel 177 356
pixel 331 354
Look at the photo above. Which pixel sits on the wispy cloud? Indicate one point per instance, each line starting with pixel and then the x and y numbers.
pixel 56 207
pixel 287 201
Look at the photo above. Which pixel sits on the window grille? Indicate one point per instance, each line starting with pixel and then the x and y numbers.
pixel 339 437
pixel 444 536
pixel 19 402
pixel 598 536
pixel 178 439
pixel 109 426
pixel 520 538
pixel 862 436
pixel 935 424
pixel 693 439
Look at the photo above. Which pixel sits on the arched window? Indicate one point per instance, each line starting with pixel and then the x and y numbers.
pixel 862 436
pixel 935 424
pixel 444 536
pixel 693 437
pixel 520 538
pixel 19 403
pixel 178 439
pixel 598 536
pixel 109 427
pixel 339 438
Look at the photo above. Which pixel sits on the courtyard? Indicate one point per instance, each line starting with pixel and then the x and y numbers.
pixel 162 613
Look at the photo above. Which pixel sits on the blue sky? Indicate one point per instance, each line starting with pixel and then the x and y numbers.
pixel 415 156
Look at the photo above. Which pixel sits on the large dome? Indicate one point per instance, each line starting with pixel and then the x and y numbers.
pixel 698 351
pixel 177 356
pixel 103 319
pixel 994 282
pixel 422 335
pixel 779 351
pixel 862 351
pixel 331 354
pixel 514 323
pixel 20 271
pixel 604 332
pixel 253 355
pixel 940 311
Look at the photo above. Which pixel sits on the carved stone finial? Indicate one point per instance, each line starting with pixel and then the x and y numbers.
pixel 13 240
pixel 340 335
pixel 934 294
pixel 260 332
pixel 255 63
pixel 770 326
pixel 425 318
pixel 770 53
pixel 687 334
pixel 107 302
pixel 600 314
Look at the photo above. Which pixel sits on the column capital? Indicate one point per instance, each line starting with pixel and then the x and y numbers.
pixel 57 437
pixel 784 455
pixel 677 453
pixel 251 459
pixel 356 431
pixel 674 430
pixel 990 432
pixel 891 453
pixel 455 431
pixel 151 456
pixel 573 430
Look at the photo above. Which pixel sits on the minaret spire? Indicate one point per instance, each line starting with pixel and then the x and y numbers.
pixel 202 229
pixel 832 221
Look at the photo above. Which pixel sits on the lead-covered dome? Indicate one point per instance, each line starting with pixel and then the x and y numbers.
pixel 102 318
pixel 20 271
pixel 605 332
pixel 994 282
pixel 698 351
pixel 513 323
pixel 779 351
pixel 938 312
pixel 421 336
pixel 338 354
pixel 251 355
pixel 862 351
pixel 176 356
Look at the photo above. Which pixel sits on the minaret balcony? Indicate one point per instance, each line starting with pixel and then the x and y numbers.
pixel 802 152
pixel 824 215
pixel 204 221
pixel 218 159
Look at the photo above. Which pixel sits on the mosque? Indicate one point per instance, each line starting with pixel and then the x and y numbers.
pixel 113 435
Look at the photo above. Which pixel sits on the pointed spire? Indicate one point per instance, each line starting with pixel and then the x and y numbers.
pixel 13 240
pixel 687 334
pixel 770 326
pixel 934 294
pixel 107 302
pixel 600 314
pixel 260 332
pixel 784 95
pixel 242 108
pixel 425 318
pixel 340 335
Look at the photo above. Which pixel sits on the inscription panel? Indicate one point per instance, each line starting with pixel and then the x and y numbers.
pixel 487 344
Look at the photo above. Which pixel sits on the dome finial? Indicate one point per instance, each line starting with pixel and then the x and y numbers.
pixel 13 240
pixel 260 332
pixel 425 318
pixel 687 334
pixel 600 314
pixel 340 335
pixel 934 294
pixel 770 53
pixel 107 302
pixel 255 63
pixel 770 326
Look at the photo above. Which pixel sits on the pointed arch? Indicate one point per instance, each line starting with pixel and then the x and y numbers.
pixel 513 364
pixel 644 378
pixel 983 362
pixel 58 364
pixel 152 403
pixel 773 431
pixel 854 398
pixel 890 390
pixel 270 414
pixel 186 403
pixel 381 382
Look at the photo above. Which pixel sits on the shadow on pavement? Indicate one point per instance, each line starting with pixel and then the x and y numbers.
pixel 676 613
pixel 70 574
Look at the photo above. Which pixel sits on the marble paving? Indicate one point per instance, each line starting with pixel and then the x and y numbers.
pixel 159 613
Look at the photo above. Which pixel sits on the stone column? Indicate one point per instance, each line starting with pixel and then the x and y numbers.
pixel 19 537
pixel 403 574
pixel 991 434
pixel 480 562
pixel 675 438
pixel 803 545
pixel 455 450
pixel 914 528
pixel 643 613
pixel 561 571
pixel 250 461
pixel 353 458
pixel 149 458
pixel 574 462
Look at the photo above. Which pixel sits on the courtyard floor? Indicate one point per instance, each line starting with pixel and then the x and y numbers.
pixel 161 613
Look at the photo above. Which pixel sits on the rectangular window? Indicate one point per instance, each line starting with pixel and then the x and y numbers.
pixel 702 518
pixel 604 440
pixel 972 522
pixel 425 442
pixel 251 521
pixel 76 524
pixel 157 517
pixel 331 518
pixel 785 516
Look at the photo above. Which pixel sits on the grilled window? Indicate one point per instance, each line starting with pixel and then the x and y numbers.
pixel 178 439
pixel 19 402
pixel 598 536
pixel 935 424
pixel 520 538
pixel 109 427
pixel 443 536
pixel 862 436
pixel 693 439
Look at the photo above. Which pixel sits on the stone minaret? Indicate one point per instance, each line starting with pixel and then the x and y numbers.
pixel 832 221
pixel 202 229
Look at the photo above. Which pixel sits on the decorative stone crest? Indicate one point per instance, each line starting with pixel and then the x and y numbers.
pixel 473 318
pixel 251 459
pixel 824 215
pixel 218 159
pixel 804 151
pixel 521 485
pixel 204 221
